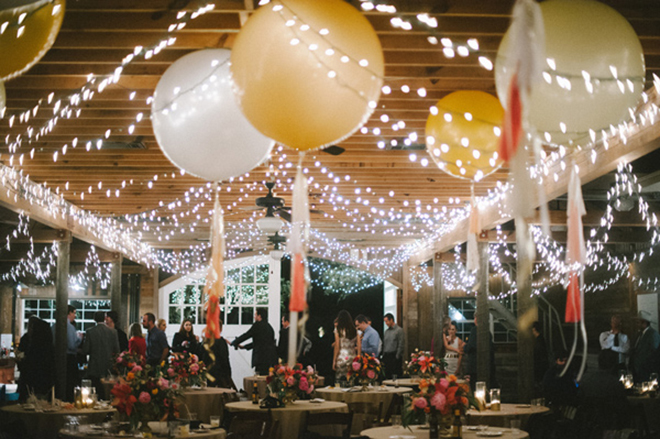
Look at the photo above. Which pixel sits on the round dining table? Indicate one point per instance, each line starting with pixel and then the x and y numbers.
pixel 217 433
pixel 502 417
pixel 419 432
pixel 248 384
pixel 47 423
pixel 292 416
pixel 205 402
pixel 410 382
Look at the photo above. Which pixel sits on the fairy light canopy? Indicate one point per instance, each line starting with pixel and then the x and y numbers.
pixel 78 125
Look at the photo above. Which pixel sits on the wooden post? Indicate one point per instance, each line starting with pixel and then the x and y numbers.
pixel 527 314
pixel 439 300
pixel 410 313
pixel 483 316
pixel 115 289
pixel 424 308
pixel 61 305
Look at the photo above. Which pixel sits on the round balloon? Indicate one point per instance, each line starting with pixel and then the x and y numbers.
pixel 30 32
pixel 594 72
pixel 307 73
pixel 197 122
pixel 462 136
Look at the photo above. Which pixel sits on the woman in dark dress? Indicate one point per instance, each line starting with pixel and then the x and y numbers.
pixel 185 340
pixel 37 366
pixel 219 366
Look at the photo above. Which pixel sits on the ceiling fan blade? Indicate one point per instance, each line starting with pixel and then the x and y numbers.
pixel 334 150
pixel 286 216
pixel 250 208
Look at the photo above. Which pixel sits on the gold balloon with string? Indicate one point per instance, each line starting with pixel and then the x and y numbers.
pixel 29 33
pixel 307 73
pixel 463 137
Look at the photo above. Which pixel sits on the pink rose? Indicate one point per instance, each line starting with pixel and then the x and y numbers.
pixel 443 384
pixel 144 398
pixel 163 383
pixel 310 369
pixel 170 372
pixel 281 370
pixel 136 369
pixel 194 367
pixel 356 366
pixel 421 403
pixel 371 374
pixel 377 360
pixel 304 385
pixel 438 401
pixel 290 381
pixel 120 359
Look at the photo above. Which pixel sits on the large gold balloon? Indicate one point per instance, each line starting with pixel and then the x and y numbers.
pixel 30 32
pixel 462 137
pixel 307 73
pixel 595 71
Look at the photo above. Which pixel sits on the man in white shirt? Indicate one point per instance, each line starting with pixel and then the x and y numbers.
pixel 616 341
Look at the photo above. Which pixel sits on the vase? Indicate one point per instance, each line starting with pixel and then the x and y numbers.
pixel 434 426
pixel 289 397
pixel 145 430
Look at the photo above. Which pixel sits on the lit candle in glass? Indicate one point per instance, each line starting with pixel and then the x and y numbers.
pixel 480 393
pixel 84 392
pixel 495 400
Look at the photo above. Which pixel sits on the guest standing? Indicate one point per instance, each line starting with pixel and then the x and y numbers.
pixel 73 342
pixel 112 322
pixel 471 350
pixel 393 343
pixel 647 342
pixel 220 368
pixel 370 338
pixel 283 343
pixel 162 324
pixel 264 351
pixel 185 340
pixel 453 350
pixel 540 356
pixel 37 373
pixel 346 345
pixel 157 347
pixel 615 340
pixel 101 344
pixel 137 344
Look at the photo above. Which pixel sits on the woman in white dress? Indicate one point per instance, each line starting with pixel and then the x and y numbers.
pixel 453 351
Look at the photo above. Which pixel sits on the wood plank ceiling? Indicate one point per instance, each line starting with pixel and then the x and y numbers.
pixel 96 35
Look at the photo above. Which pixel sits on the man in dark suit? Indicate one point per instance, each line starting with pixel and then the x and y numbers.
pixel 647 342
pixel 264 354
pixel 112 322
pixel 283 343
pixel 101 344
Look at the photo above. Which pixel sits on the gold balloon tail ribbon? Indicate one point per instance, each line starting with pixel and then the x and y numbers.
pixel 297 247
pixel 214 288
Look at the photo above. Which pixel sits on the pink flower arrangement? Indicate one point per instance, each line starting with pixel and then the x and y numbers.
pixel 127 362
pixel 289 383
pixel 425 365
pixel 365 370
pixel 186 369
pixel 144 398
pixel 439 398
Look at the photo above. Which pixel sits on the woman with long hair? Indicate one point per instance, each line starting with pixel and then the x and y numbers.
pixel 347 345
pixel 185 340
pixel 220 368
pixel 136 342
pixel 453 350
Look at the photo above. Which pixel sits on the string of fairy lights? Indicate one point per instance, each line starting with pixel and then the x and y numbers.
pixel 360 209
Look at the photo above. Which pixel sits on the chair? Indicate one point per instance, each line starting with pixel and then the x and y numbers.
pixel 326 419
pixel 367 413
pixel 250 425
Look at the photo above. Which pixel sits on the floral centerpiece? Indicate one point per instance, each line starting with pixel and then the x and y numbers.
pixel 425 365
pixel 364 370
pixel 145 395
pixel 438 399
pixel 291 383
pixel 125 361
pixel 186 369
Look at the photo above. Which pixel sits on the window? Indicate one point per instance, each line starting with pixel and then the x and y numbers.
pixel 246 288
pixel 45 310
pixel 462 311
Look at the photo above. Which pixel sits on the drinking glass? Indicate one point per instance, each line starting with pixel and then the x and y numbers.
pixel 215 421
pixel 515 426
pixel 395 378
pixel 396 421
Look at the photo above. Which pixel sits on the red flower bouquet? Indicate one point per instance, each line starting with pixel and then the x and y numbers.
pixel 126 361
pixel 425 365
pixel 291 383
pixel 186 369
pixel 438 398
pixel 145 395
pixel 364 370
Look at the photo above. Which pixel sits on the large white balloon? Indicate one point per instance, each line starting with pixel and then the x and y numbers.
pixel 197 122
pixel 595 71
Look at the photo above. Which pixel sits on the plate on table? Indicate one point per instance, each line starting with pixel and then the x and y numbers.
pixel 489 433
pixel 523 406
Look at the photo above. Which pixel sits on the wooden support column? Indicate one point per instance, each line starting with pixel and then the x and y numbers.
pixel 61 305
pixel 115 289
pixel 439 300
pixel 527 314
pixel 410 313
pixel 483 316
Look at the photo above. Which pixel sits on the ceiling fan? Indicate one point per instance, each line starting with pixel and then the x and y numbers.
pixel 275 205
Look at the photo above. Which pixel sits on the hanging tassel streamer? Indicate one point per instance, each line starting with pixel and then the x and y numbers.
pixel 214 288
pixel 576 255
pixel 299 269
